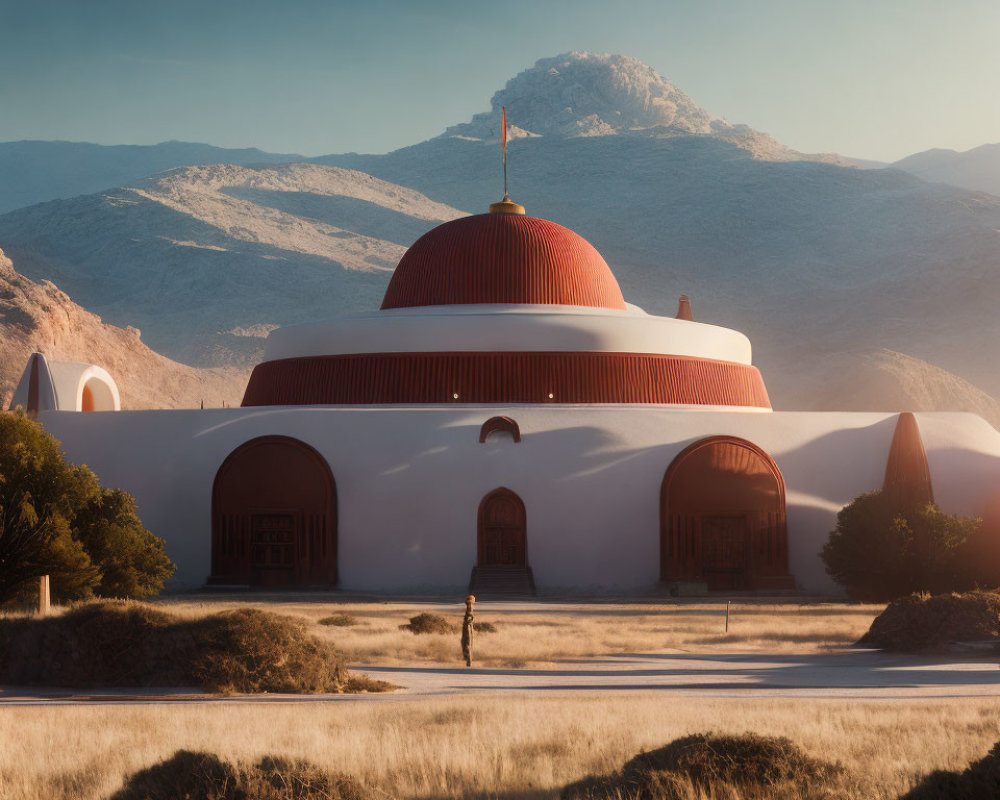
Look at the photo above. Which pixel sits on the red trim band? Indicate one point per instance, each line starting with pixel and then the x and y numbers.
pixel 523 377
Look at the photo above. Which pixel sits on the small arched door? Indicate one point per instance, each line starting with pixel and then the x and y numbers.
pixel 274 516
pixel 502 530
pixel 722 517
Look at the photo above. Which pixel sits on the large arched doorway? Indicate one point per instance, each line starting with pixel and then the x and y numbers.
pixel 502 530
pixel 722 517
pixel 274 516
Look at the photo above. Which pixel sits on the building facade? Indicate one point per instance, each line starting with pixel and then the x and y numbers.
pixel 507 411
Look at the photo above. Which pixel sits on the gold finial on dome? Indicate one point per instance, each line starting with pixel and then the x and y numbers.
pixel 506 206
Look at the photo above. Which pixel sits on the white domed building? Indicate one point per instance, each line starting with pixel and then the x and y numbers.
pixel 506 418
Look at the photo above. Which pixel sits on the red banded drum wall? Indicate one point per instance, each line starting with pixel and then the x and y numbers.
pixel 722 517
pixel 519 377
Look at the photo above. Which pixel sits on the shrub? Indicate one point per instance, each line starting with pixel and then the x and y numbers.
pixel 204 775
pixel 56 520
pixel 716 765
pixel 980 779
pixel 878 552
pixel 185 774
pixel 248 650
pixel 429 623
pixel 339 621
pixel 436 623
pixel 130 644
pixel 924 622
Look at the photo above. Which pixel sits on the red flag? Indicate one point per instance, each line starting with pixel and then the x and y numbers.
pixel 505 135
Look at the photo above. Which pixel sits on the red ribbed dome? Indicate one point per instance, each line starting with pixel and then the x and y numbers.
pixel 502 258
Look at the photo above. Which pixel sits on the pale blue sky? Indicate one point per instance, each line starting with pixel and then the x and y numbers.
pixel 868 79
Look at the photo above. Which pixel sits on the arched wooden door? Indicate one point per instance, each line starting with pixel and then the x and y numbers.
pixel 502 530
pixel 274 516
pixel 722 517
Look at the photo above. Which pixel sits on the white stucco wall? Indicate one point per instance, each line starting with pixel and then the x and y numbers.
pixel 61 385
pixel 520 328
pixel 409 480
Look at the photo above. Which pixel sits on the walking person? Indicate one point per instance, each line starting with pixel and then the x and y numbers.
pixel 467 630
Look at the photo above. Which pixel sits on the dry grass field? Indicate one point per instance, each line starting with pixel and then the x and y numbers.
pixel 480 746
pixel 512 746
pixel 531 634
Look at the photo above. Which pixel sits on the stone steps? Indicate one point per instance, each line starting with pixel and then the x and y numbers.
pixel 502 583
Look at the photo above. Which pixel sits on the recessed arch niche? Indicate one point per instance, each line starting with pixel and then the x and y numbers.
pixel 722 517
pixel 502 539
pixel 98 394
pixel 500 425
pixel 274 516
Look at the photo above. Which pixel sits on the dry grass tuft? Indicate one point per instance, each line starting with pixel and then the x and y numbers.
pixel 748 765
pixel 255 651
pixel 929 623
pixel 429 623
pixel 130 644
pixel 980 779
pixel 203 775
pixel 185 774
pixel 98 644
pixel 340 621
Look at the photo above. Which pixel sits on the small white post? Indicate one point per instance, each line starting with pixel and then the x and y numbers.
pixel 44 598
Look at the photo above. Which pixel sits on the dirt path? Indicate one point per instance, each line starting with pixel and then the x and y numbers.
pixel 843 674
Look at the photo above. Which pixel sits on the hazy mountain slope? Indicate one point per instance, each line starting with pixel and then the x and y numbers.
pixel 977 169
pixel 600 94
pixel 33 172
pixel 884 379
pixel 199 252
pixel 39 317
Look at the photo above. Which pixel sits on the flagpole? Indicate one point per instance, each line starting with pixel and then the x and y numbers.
pixel 505 206
pixel 505 151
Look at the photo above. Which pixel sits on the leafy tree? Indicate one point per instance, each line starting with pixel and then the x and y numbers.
pixel 55 519
pixel 132 560
pixel 879 552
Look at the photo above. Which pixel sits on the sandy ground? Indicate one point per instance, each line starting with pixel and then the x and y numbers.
pixel 854 673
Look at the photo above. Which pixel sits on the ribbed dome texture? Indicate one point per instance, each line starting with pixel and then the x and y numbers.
pixel 502 258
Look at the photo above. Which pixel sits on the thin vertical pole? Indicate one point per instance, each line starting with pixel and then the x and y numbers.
pixel 44 597
pixel 727 615
pixel 505 151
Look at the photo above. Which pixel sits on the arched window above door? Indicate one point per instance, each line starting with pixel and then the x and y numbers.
pixel 499 425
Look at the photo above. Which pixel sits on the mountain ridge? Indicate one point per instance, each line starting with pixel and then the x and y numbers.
pixel 40 317
pixel 604 94
pixel 977 169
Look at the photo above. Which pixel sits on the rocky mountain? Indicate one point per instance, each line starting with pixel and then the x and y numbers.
pixel 39 317
pixel 977 169
pixel 206 260
pixel 33 172
pixel 600 94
